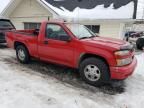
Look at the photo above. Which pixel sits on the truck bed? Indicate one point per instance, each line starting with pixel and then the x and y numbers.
pixel 27 37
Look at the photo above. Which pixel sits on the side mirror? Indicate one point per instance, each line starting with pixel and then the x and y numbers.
pixel 65 38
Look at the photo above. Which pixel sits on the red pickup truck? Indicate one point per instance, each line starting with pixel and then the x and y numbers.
pixel 98 59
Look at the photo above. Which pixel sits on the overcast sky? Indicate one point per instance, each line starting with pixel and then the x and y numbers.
pixel 3 3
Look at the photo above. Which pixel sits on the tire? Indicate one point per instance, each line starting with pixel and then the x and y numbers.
pixel 99 67
pixel 22 54
pixel 140 43
pixel 127 39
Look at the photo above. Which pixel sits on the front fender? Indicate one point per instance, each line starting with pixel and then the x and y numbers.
pixel 108 56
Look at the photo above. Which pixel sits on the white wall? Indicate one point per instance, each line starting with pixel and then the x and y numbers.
pixel 29 11
pixel 138 27
pixel 112 29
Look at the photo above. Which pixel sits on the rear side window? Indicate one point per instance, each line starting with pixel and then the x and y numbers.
pixel 6 24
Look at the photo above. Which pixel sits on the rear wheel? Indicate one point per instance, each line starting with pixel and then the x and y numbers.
pixel 94 71
pixel 22 54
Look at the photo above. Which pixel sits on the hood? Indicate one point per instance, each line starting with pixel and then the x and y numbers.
pixel 105 42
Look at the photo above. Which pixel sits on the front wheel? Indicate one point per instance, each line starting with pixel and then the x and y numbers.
pixel 94 71
pixel 22 54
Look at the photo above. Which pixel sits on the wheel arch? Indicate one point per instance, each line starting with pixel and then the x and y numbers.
pixel 17 43
pixel 84 56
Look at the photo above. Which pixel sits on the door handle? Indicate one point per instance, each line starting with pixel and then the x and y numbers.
pixel 45 42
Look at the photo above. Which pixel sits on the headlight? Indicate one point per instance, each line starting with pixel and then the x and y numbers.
pixel 123 62
pixel 122 53
pixel 123 57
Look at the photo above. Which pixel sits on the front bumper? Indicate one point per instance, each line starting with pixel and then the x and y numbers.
pixel 120 73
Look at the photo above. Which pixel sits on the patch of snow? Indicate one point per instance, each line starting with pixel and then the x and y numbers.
pixel 99 12
pixel 139 70
pixel 23 88
pixel 134 95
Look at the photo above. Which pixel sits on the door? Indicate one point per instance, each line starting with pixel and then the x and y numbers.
pixel 54 49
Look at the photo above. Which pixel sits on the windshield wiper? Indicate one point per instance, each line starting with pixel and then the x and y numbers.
pixel 83 37
pixel 88 37
pixel 92 36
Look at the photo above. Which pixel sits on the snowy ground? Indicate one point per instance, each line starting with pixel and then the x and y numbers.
pixel 41 85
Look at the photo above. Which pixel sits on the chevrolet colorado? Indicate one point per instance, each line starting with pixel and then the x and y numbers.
pixel 98 59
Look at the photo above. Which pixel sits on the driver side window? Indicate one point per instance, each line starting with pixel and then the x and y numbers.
pixel 54 31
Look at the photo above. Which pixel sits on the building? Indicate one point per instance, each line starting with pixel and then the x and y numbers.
pixel 108 18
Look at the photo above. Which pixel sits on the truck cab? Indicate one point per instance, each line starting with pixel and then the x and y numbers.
pixel 98 59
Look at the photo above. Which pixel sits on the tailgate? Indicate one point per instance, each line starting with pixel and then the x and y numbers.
pixel 24 37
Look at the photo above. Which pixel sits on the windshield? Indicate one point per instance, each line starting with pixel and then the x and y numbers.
pixel 80 31
pixel 6 24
